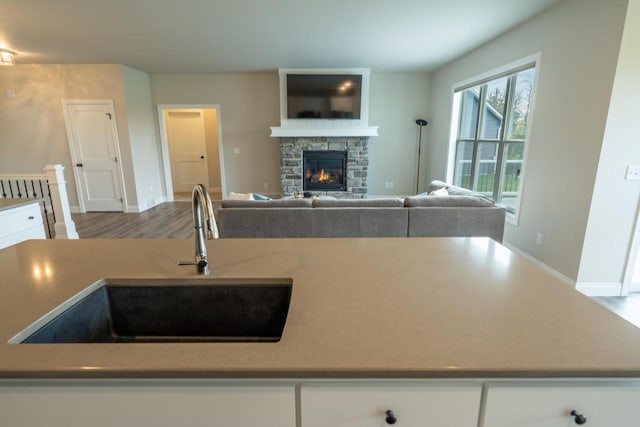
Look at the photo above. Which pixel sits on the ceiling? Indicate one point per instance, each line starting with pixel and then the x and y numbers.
pixel 217 36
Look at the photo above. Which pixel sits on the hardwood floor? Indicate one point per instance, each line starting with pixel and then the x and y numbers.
pixel 165 221
pixel 174 221
pixel 625 307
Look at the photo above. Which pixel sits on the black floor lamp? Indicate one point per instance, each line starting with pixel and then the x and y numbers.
pixel 420 123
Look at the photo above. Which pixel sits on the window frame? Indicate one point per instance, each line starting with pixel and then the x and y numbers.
pixel 509 70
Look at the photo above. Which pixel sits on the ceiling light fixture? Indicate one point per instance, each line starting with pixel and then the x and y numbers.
pixel 6 57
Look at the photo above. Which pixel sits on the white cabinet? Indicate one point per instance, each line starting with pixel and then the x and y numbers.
pixel 550 405
pixel 148 405
pixel 364 405
pixel 20 223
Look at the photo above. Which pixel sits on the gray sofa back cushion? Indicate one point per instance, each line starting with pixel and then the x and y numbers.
pixel 358 203
pixel 447 201
pixel 457 222
pixel 360 222
pixel 263 223
pixel 277 203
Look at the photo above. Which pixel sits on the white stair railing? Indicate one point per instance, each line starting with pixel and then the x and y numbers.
pixel 50 187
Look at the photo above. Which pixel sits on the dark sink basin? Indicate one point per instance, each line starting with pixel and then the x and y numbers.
pixel 147 311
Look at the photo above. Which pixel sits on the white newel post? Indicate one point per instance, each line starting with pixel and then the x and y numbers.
pixel 65 228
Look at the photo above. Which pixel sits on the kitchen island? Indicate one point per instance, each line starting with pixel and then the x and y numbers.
pixel 414 319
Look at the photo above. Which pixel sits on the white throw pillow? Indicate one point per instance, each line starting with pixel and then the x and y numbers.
pixel 240 196
pixel 439 192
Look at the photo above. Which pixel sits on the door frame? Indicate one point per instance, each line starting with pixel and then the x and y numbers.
pixel 164 142
pixel 116 141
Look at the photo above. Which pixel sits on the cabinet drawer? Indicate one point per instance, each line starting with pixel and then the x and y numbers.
pixel 150 405
pixel 551 405
pixel 20 218
pixel 365 405
pixel 36 232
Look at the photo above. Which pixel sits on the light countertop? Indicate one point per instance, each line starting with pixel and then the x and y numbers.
pixel 360 308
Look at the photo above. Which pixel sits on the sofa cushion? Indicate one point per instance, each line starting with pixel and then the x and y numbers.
pixel 448 201
pixel 358 203
pixel 277 203
pixel 451 189
pixel 360 222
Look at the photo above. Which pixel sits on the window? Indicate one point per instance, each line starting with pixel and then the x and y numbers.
pixel 490 140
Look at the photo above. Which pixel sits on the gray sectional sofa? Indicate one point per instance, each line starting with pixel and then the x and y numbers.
pixel 461 213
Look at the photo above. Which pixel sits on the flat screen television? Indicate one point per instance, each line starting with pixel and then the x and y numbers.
pixel 324 96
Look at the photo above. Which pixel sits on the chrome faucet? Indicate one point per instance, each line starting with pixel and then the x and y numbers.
pixel 203 222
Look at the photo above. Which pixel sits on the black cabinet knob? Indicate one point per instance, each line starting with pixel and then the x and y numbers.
pixel 202 157
pixel 79 165
pixel 390 417
pixel 578 418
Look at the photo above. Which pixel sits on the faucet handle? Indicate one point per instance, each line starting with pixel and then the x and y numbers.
pixel 202 264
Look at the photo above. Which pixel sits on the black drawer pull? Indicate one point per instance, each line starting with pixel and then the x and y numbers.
pixel 31 217
pixel 390 417
pixel 578 418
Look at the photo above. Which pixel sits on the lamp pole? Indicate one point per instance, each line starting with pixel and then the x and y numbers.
pixel 420 123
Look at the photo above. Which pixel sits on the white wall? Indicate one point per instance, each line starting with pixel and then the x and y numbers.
pixel 249 105
pixel 213 151
pixel 145 150
pixel 614 204
pixel 579 41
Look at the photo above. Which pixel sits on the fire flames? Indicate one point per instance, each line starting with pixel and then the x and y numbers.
pixel 323 176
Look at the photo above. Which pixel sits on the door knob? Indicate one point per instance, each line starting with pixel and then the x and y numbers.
pixel 202 157
pixel 79 165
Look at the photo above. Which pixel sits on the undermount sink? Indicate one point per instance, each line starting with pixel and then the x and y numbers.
pixel 185 310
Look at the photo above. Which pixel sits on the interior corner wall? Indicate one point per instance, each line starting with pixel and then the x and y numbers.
pixel 396 101
pixel 614 205
pixel 579 41
pixel 145 149
pixel 32 124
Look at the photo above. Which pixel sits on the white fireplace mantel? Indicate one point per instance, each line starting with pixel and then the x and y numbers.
pixel 285 132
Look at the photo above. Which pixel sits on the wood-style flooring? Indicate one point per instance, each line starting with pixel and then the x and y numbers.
pixel 165 221
pixel 174 221
pixel 625 307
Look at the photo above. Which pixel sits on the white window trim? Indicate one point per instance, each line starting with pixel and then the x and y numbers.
pixel 536 60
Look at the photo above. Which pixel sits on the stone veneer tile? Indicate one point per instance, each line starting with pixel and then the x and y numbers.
pixel 357 163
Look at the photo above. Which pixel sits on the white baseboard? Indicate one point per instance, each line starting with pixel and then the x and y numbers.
pixel 74 209
pixel 555 273
pixel 151 203
pixel 600 289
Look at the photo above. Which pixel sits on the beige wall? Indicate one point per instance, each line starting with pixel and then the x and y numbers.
pixel 579 41
pixel 249 106
pixel 213 155
pixel 145 149
pixel 614 204
pixel 32 124
pixel 397 100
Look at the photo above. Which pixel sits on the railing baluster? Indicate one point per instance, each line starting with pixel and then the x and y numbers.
pixel 44 208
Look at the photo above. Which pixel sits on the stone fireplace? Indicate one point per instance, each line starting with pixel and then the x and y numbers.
pixel 340 172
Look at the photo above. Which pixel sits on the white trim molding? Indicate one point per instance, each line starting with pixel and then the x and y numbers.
pixel 600 289
pixel 295 132
pixel 555 273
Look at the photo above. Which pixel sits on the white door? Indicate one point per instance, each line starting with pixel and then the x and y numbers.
pixel 94 152
pixel 187 148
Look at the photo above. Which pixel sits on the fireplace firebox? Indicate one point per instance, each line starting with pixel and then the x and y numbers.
pixel 324 170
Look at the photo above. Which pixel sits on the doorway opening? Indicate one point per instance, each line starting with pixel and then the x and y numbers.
pixel 191 138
